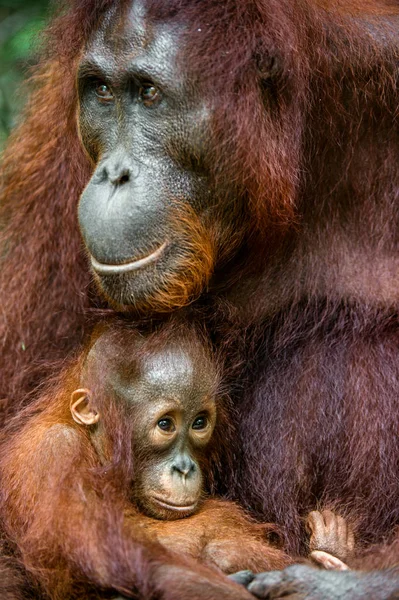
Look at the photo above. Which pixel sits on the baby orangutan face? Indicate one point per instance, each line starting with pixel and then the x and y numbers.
pixel 169 394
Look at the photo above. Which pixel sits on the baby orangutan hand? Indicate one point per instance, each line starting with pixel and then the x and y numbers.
pixel 332 541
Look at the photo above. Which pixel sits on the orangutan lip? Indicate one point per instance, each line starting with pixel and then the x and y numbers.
pixel 175 507
pixel 134 265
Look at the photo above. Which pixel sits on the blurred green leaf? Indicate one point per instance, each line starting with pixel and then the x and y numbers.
pixel 21 45
pixel 20 26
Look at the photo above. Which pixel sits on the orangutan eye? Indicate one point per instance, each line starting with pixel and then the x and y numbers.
pixel 200 423
pixel 104 92
pixel 149 95
pixel 166 424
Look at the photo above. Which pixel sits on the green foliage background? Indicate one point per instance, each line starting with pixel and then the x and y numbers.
pixel 20 24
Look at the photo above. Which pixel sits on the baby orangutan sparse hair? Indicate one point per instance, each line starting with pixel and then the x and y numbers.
pixel 128 447
pixel 163 390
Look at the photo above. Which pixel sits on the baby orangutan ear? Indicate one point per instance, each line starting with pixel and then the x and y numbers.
pixel 82 408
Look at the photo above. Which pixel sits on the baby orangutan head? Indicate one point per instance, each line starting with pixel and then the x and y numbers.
pixel 161 389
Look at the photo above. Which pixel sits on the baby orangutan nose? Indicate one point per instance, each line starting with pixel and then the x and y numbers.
pixel 184 466
pixel 179 491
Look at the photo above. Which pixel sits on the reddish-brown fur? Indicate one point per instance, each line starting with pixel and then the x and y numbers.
pixel 221 534
pixel 75 526
pixel 307 313
pixel 14 582
pixel 45 280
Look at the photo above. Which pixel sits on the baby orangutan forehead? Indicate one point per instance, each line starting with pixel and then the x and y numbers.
pixel 168 367
pixel 177 373
pixel 133 370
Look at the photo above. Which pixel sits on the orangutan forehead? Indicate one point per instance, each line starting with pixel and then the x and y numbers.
pixel 127 42
pixel 120 28
pixel 126 356
pixel 171 366
pixel 180 375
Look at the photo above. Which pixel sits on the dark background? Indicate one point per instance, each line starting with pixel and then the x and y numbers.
pixel 20 23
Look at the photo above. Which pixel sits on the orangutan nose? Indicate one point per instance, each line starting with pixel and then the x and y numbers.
pixel 183 465
pixel 118 174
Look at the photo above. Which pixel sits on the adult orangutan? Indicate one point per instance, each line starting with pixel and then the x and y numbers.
pixel 240 156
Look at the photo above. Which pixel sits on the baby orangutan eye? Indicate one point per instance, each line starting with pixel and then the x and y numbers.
pixel 166 424
pixel 200 423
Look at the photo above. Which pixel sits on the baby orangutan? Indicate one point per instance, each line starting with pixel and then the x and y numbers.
pixel 169 395
pixel 114 461
pixel 163 390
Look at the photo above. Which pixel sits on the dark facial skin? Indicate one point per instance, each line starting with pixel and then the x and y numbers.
pixel 144 213
pixel 171 402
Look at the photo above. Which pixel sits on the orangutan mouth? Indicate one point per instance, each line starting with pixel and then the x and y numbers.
pixel 105 269
pixel 175 507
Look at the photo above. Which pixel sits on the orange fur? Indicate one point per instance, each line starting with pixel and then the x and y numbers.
pixel 66 515
pixel 72 517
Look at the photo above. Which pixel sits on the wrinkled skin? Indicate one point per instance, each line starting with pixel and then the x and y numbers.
pixel 145 213
pixel 332 533
pixel 300 582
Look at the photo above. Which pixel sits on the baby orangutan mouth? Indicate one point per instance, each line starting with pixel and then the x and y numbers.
pixel 105 269
pixel 181 509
